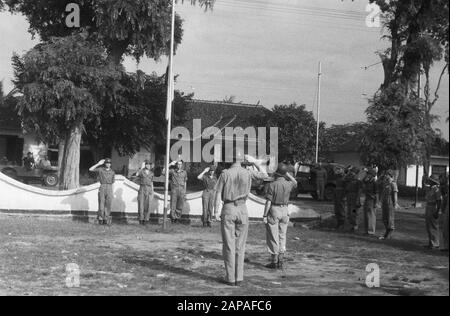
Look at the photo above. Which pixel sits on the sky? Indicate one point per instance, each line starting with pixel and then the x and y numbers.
pixel 267 51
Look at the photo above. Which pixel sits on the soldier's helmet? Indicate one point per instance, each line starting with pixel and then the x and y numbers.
pixel 435 179
pixel 147 162
pixel 212 168
pixel 107 160
pixel 281 170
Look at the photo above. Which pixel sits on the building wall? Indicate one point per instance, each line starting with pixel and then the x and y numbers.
pixel 408 175
pixel 30 144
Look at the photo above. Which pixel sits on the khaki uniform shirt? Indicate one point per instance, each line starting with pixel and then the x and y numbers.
pixel 209 183
pixel 105 176
pixel 146 178
pixel 235 183
pixel 178 179
pixel 279 191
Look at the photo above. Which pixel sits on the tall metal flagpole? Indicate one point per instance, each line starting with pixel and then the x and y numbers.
pixel 170 89
pixel 318 113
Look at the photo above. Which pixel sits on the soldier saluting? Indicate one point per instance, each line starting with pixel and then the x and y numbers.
pixel 106 176
pixel 276 215
pixel 178 181
pixel 209 179
pixel 233 188
pixel 145 194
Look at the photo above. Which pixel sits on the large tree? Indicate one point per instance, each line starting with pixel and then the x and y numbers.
pixel 296 131
pixel 64 82
pixel 418 35
pixel 121 27
pixel 396 131
pixel 124 27
pixel 335 136
pixel 136 117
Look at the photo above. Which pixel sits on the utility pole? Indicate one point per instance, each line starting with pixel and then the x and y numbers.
pixel 170 88
pixel 318 112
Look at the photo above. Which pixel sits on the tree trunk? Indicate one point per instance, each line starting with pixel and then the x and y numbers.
pixel 61 148
pixel 71 159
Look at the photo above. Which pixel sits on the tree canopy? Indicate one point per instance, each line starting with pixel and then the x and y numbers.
pixel 296 131
pixel 396 131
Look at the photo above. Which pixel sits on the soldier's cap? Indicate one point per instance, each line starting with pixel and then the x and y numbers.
pixel 108 160
pixel 435 178
pixel 281 170
pixel 212 168
pixel 147 162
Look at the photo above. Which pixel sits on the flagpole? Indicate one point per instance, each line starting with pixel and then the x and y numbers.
pixel 318 113
pixel 170 88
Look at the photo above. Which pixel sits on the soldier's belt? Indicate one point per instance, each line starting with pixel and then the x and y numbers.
pixel 236 202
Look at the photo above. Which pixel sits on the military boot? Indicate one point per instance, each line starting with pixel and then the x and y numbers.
pixel 273 262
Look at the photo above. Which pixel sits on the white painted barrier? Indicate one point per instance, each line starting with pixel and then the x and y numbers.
pixel 18 197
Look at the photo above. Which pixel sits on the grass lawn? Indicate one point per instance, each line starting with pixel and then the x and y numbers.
pixel 186 260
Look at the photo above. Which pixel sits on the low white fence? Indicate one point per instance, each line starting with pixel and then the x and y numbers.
pixel 16 197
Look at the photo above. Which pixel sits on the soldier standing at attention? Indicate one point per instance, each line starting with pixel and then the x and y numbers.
pixel 276 215
pixel 178 181
pixel 321 180
pixel 233 188
pixel 339 199
pixel 388 192
pixel 106 176
pixel 209 179
pixel 434 200
pixel 370 190
pixel 145 194
pixel 353 189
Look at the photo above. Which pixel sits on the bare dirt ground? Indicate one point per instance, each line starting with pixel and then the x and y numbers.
pixel 186 260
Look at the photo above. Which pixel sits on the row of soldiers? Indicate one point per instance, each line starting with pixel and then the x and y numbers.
pixel 383 191
pixel 229 193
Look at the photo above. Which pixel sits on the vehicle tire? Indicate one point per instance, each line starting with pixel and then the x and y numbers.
pixel 329 192
pixel 10 172
pixel 50 180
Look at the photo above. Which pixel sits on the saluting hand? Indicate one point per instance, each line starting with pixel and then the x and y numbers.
pixel 249 158
pixel 101 162
pixel 207 169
